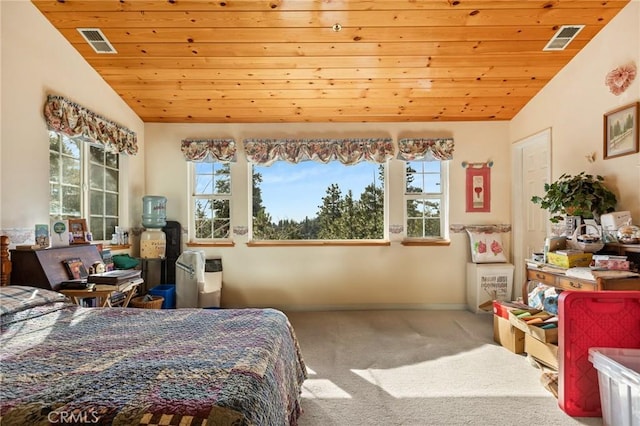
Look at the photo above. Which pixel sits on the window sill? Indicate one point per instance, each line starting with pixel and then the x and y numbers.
pixel 423 242
pixel 315 243
pixel 118 247
pixel 212 244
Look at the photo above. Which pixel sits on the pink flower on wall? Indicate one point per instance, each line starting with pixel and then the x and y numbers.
pixel 620 78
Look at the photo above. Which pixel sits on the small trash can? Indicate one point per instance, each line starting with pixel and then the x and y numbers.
pixel 209 291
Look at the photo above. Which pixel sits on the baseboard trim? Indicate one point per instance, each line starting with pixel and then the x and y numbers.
pixel 374 307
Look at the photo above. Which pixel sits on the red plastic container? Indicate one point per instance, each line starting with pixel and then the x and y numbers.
pixel 591 319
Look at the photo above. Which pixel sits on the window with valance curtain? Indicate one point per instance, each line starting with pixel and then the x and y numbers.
pixel 422 149
pixel 79 123
pixel 426 183
pixel 209 150
pixel 210 186
pixel 347 151
pixel 84 165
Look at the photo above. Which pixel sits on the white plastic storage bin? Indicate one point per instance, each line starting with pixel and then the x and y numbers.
pixel 189 276
pixel 619 383
pixel 487 282
pixel 210 289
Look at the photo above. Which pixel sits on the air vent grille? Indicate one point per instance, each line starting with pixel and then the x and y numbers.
pixel 563 37
pixel 97 40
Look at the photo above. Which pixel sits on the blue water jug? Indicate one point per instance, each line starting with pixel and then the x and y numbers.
pixel 154 211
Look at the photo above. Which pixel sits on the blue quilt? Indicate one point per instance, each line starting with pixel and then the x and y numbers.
pixel 60 363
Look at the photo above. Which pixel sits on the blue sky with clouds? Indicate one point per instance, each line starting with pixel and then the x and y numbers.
pixel 293 191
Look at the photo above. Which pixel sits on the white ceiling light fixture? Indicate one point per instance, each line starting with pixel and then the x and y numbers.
pixel 563 37
pixel 97 40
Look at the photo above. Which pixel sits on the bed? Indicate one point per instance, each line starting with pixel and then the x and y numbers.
pixel 61 363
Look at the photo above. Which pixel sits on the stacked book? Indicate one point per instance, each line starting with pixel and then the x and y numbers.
pixel 115 277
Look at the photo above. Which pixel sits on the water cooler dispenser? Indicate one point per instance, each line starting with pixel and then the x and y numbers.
pixel 153 241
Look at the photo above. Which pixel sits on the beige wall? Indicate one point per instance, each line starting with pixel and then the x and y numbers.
pixel 37 61
pixel 574 102
pixel 312 277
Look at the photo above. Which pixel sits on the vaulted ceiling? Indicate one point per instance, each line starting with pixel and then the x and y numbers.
pixel 282 61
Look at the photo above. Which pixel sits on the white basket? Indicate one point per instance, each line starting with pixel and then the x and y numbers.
pixel 587 247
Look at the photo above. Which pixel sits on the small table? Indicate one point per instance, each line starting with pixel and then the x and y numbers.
pixel 103 292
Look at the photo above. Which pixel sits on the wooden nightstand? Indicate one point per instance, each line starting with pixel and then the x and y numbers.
pixel 103 292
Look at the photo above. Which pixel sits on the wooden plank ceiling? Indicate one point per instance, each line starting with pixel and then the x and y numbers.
pixel 271 61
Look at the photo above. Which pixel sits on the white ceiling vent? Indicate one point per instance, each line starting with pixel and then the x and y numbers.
pixel 563 37
pixel 97 40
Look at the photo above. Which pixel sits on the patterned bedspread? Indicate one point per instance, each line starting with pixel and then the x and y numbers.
pixel 62 364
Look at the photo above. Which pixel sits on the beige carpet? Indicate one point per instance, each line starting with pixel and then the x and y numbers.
pixel 417 368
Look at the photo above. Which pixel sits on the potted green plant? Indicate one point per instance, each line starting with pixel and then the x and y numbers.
pixel 581 195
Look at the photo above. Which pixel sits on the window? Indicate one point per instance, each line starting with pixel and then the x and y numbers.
pixel 310 200
pixel 84 183
pixel 426 199
pixel 211 200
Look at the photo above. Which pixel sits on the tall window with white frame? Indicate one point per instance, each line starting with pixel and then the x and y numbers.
pixel 84 182
pixel 211 200
pixel 425 199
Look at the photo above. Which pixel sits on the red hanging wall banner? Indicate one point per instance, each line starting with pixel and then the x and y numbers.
pixel 478 188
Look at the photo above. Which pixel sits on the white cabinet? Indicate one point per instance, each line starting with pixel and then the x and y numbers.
pixel 487 282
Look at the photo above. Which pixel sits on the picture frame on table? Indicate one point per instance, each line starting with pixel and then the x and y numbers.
pixel 78 231
pixel 621 131
pixel 75 268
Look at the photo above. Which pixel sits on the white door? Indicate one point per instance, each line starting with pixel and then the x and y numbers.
pixel 531 170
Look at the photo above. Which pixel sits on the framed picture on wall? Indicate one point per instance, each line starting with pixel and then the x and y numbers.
pixel 78 231
pixel 621 131
pixel 478 185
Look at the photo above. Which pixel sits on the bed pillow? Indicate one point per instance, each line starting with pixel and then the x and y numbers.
pixel 15 298
pixel 486 247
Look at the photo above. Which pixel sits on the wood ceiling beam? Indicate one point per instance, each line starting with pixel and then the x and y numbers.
pixel 333 94
pixel 310 5
pixel 195 36
pixel 326 19
pixel 506 48
pixel 124 74
pixel 173 86
pixel 346 62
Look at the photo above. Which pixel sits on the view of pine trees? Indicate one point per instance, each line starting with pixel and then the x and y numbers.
pixel 339 215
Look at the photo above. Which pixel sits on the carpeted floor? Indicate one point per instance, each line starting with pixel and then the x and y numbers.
pixel 417 368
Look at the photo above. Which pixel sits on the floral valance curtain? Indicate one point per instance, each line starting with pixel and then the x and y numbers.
pixel 418 149
pixel 77 122
pixel 348 151
pixel 209 150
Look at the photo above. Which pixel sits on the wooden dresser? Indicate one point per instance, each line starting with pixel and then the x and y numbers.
pixel 44 268
pixel 556 277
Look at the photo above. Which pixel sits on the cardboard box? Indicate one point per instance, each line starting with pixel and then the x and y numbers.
pixel 501 308
pixel 507 335
pixel 546 353
pixel 569 260
pixel 546 335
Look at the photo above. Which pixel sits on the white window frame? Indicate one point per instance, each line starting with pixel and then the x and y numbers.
pixel 192 197
pixel 442 196
pixel 85 190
